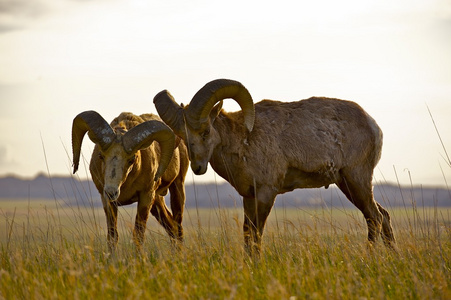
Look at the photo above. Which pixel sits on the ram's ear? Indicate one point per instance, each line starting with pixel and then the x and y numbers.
pixel 215 111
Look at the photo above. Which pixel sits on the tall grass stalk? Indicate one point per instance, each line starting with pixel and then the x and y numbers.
pixel 447 159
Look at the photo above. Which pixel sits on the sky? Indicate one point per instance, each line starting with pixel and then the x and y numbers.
pixel 61 57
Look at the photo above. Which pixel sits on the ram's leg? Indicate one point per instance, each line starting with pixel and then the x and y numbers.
pixel 387 231
pixel 256 211
pixel 110 209
pixel 360 192
pixel 177 194
pixel 142 215
pixel 161 212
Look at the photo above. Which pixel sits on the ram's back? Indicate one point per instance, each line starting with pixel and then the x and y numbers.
pixel 313 135
pixel 127 120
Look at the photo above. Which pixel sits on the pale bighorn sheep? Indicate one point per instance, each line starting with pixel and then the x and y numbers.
pixel 127 167
pixel 275 147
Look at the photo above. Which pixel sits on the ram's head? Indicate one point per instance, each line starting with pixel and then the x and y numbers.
pixel 119 149
pixel 194 122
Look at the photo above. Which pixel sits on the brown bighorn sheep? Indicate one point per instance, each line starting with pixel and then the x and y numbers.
pixel 127 167
pixel 275 147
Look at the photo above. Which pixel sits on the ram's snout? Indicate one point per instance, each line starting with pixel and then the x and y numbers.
pixel 199 168
pixel 111 193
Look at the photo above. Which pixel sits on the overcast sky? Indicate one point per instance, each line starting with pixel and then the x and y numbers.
pixel 59 58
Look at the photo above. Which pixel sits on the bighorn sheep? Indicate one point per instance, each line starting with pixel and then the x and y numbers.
pixel 127 167
pixel 275 147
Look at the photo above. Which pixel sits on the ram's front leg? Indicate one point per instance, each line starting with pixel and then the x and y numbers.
pixel 256 211
pixel 110 209
pixel 142 215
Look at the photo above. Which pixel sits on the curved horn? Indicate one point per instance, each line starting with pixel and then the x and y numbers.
pixel 200 106
pixel 142 136
pixel 170 112
pixel 99 131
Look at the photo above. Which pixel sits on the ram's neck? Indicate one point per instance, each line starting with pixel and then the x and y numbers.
pixel 228 154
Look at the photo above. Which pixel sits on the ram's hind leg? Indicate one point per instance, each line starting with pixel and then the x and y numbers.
pixel 387 231
pixel 161 212
pixel 359 191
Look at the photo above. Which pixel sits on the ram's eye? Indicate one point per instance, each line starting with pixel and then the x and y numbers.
pixel 206 133
pixel 101 156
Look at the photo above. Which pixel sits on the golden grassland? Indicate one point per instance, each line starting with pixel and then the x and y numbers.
pixel 51 251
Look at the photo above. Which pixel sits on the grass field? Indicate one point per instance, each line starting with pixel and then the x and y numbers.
pixel 49 251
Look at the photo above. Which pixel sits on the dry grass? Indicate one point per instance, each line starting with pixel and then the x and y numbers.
pixel 50 253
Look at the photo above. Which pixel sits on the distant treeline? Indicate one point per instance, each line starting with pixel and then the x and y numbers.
pixel 72 191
